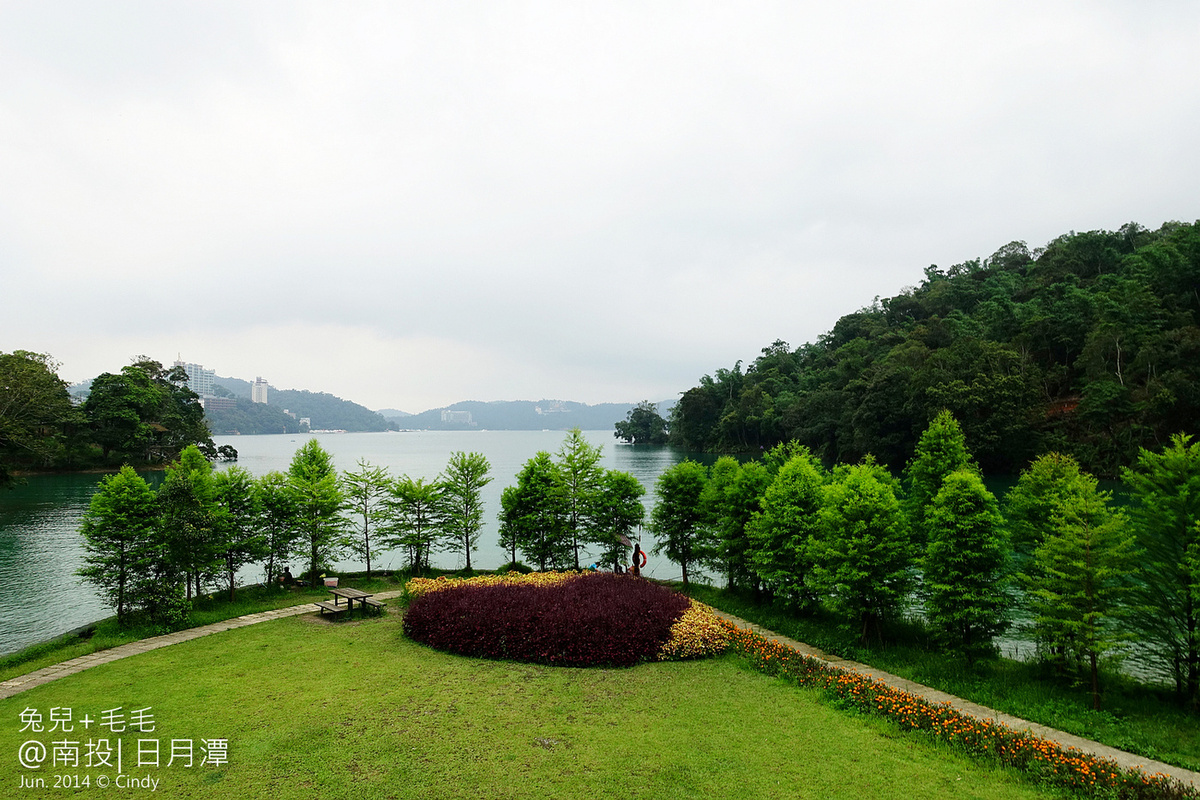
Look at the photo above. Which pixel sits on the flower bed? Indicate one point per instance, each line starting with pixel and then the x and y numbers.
pixel 420 586
pixel 1068 768
pixel 564 619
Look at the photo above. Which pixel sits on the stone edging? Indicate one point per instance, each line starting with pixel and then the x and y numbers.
pixel 1061 738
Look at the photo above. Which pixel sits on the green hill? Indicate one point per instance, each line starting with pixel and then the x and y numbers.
pixel 1089 346
pixel 325 411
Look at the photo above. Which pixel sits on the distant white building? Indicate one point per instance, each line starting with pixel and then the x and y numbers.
pixel 258 390
pixel 462 417
pixel 200 380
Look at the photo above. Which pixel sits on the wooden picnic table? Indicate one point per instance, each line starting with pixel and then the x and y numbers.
pixel 350 595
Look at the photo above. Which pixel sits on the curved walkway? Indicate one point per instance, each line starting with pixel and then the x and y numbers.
pixel 1063 739
pixel 1129 760
pixel 53 672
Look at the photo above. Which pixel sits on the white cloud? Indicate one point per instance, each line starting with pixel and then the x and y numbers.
pixel 524 199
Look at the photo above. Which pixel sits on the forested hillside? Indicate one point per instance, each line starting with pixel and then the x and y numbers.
pixel 324 410
pixel 250 418
pixel 1088 346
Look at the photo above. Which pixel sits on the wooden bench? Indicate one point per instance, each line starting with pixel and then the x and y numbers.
pixel 375 604
pixel 332 608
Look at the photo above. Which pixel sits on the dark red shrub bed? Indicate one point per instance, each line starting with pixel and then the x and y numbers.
pixel 592 620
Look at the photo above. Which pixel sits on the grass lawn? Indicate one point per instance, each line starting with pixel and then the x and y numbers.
pixel 313 708
pixel 207 609
pixel 1135 717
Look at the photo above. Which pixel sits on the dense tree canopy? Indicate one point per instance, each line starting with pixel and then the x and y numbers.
pixel 560 506
pixel 1166 512
pixel 642 425
pixel 36 414
pixel 1089 346
pixel 145 413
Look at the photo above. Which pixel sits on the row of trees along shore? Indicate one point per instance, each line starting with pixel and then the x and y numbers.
pixel 1088 347
pixel 143 414
pixel 1090 578
pixel 151 551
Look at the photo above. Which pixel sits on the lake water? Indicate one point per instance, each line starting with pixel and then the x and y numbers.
pixel 41 549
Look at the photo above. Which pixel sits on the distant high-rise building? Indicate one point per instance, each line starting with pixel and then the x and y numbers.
pixel 258 390
pixel 200 380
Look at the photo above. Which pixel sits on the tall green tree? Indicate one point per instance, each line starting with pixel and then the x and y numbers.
pixel 533 515
pixel 618 511
pixel 240 537
pixel 678 518
pixel 465 476
pixel 781 532
pixel 721 476
pixel 1166 516
pixel 1079 580
pixel 580 472
pixel 189 510
pixel 941 450
pixel 365 490
pixel 414 519
pixel 966 567
pixel 732 496
pixel 318 500
pixel 279 519
pixel 119 531
pixel 862 554
pixel 1031 506
pixel 642 425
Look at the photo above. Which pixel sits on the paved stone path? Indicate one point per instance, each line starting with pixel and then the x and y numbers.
pixel 55 671
pixel 1128 760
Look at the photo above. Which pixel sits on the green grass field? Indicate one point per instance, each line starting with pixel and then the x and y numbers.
pixel 1135 717
pixel 314 709
pixel 206 610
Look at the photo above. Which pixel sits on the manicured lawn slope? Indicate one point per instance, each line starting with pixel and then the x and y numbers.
pixel 1136 718
pixel 355 710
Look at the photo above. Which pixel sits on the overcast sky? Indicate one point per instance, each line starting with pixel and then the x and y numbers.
pixel 411 204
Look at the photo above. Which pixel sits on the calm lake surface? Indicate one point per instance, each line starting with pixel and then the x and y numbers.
pixel 41 549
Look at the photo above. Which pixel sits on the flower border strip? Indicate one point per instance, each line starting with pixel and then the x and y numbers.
pixel 1047 761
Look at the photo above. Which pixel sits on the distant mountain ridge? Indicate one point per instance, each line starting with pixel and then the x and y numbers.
pixel 327 412
pixel 519 415
pixel 324 411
